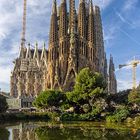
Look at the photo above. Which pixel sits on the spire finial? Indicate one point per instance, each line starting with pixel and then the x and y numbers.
pixel 111 58
pixel 36 44
pixel 44 44
pixel 90 7
pixel 54 8
pixel 63 1
pixel 82 1
pixel 29 45
pixel 72 15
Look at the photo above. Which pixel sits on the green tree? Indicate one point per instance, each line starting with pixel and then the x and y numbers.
pixel 3 104
pixel 49 98
pixel 121 113
pixel 4 134
pixel 134 96
pixel 89 88
pixel 134 100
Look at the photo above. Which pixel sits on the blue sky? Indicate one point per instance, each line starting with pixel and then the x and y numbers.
pixel 121 26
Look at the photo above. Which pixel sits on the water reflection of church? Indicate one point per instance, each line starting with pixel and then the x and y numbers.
pixel 72 131
pixel 22 132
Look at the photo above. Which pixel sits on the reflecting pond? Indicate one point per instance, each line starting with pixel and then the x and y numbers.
pixel 69 131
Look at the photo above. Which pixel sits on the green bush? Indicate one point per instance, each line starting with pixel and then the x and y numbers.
pixel 134 96
pixel 86 108
pixel 89 86
pixel 4 134
pixel 119 115
pixel 3 104
pixel 69 117
pixel 24 116
pixel 49 98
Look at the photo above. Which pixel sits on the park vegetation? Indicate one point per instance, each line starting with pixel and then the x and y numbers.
pixel 3 104
pixel 89 101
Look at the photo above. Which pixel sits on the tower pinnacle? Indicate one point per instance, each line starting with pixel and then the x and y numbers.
pixel 72 15
pixel 54 26
pixel 54 8
pixel 63 1
pixel 82 1
pixel 24 24
pixel 91 7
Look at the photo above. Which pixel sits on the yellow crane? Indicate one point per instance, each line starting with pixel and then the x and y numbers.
pixel 134 63
pixel 24 23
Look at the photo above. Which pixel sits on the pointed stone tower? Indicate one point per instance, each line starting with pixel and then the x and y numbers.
pixel 91 42
pixel 53 47
pixel 98 40
pixel 82 33
pixel 72 58
pixel 112 87
pixel 63 42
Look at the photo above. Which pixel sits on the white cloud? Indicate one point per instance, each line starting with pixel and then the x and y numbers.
pixel 124 84
pixel 124 20
pixel 103 3
pixel 5 74
pixel 110 33
pixel 130 4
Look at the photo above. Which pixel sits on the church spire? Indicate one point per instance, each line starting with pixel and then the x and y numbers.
pixel 81 1
pixel 91 7
pixel 72 16
pixel 111 64
pixel 91 23
pixel 63 27
pixel 82 25
pixel 112 87
pixel 54 8
pixel 91 45
pixel 54 24
pixel 82 19
pixel 63 1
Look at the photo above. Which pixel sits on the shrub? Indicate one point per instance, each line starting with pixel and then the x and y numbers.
pixel 3 104
pixel 89 86
pixel 134 96
pixel 119 115
pixel 69 117
pixel 86 108
pixel 49 98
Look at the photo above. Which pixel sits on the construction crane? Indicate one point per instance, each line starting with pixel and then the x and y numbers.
pixel 24 23
pixel 134 63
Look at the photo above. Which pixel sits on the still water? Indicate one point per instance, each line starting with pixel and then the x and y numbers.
pixel 69 131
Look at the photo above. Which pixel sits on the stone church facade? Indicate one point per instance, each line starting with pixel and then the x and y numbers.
pixel 75 42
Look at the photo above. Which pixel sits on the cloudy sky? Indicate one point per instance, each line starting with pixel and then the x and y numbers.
pixel 121 23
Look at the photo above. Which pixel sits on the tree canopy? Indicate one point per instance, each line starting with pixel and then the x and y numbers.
pixel 3 104
pixel 49 98
pixel 134 96
pixel 88 85
pixel 89 100
pixel 88 93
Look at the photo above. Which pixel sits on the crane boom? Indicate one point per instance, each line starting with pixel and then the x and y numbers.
pixel 134 64
pixel 121 66
pixel 24 23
